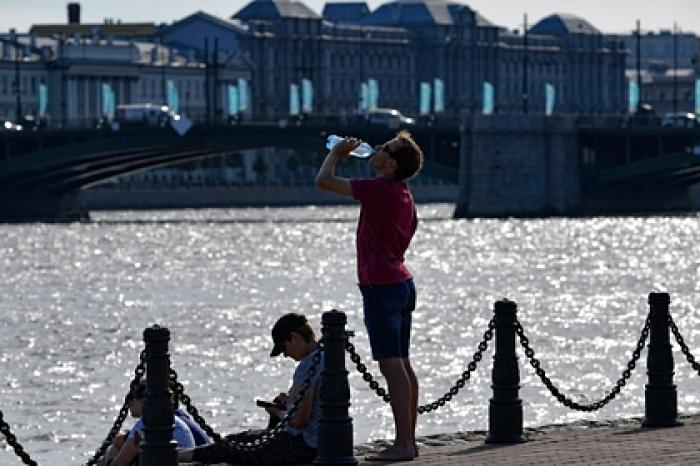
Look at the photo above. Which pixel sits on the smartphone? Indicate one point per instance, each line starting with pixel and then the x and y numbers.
pixel 266 404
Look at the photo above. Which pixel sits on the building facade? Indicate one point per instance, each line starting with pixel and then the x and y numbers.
pixel 402 46
pixel 657 49
pixel 74 69
pixel 668 91
pixel 669 66
pixel 404 43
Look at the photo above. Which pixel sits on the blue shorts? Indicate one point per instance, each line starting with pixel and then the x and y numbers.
pixel 388 317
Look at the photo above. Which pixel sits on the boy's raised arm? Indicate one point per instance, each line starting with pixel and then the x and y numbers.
pixel 326 178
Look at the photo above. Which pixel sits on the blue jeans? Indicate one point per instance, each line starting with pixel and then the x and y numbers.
pixel 387 310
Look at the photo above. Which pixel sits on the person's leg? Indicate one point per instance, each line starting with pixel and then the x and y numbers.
pixel 113 449
pixel 414 398
pixel 399 385
pixel 109 454
pixel 386 322
pixel 406 326
pixel 284 448
pixel 385 319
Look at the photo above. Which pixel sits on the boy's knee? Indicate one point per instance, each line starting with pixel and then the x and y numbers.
pixel 120 438
pixel 391 365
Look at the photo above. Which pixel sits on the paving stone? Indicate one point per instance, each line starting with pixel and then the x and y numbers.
pixel 621 442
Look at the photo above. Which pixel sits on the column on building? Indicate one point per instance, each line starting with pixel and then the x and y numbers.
pixel 72 113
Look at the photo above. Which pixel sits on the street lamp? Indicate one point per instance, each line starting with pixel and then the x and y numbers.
pixel 525 96
pixel 638 35
pixel 16 85
pixel 675 68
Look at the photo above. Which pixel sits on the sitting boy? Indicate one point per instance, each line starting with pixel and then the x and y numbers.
pixel 125 449
pixel 293 337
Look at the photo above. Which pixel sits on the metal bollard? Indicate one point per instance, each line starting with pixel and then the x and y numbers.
pixel 505 408
pixel 335 444
pixel 158 447
pixel 660 396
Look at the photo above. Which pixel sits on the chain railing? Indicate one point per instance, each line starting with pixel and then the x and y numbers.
pixel 445 398
pixel 266 436
pixel 123 412
pixel 565 400
pixel 14 443
pixel 657 322
pixel 684 347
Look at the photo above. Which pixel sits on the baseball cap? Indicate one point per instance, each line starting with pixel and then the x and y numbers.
pixel 283 328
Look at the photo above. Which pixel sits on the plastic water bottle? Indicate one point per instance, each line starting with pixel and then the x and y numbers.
pixel 362 151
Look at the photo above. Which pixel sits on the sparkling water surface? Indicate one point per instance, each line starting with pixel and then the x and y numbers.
pixel 76 299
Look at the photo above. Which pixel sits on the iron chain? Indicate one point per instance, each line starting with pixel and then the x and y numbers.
pixel 265 437
pixel 12 441
pixel 563 399
pixel 124 411
pixel 428 407
pixel 684 347
pixel 366 376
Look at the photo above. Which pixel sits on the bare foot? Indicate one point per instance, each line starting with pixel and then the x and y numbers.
pixel 394 454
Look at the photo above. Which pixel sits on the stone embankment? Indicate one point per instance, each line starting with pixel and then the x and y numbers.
pixel 238 196
pixel 618 442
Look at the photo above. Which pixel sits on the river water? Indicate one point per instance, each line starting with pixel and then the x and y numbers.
pixel 76 298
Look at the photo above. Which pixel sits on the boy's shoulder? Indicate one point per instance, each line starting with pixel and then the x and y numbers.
pixel 305 364
pixel 364 187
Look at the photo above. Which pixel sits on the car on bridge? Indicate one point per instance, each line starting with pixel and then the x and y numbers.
pixel 10 126
pixel 389 117
pixel 680 120
pixel 142 114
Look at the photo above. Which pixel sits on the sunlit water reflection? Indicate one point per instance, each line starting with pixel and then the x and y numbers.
pixel 76 298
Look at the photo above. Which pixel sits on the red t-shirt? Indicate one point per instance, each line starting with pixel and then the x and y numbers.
pixel 387 223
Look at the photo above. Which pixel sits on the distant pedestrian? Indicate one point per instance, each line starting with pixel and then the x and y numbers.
pixel 387 223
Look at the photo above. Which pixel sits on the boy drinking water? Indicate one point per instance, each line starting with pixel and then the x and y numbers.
pixel 386 226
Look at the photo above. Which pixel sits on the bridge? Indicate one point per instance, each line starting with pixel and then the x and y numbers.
pixel 641 155
pixel 41 172
pixel 639 168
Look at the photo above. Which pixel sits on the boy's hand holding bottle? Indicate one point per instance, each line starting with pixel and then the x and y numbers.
pixel 346 147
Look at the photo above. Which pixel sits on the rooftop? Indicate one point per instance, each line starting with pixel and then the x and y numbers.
pixel 563 23
pixel 275 9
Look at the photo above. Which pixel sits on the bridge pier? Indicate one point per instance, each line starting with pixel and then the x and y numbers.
pixel 519 166
pixel 41 207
